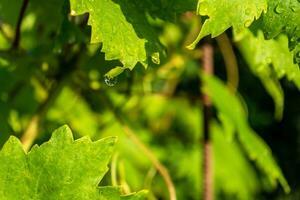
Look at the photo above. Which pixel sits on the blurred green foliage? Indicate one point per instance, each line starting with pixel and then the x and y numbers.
pixel 59 77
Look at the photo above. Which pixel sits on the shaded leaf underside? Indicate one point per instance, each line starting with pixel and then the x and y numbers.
pixel 230 108
pixel 270 60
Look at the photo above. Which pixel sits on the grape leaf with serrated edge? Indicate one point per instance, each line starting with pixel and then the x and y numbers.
pixel 58 169
pixel 123 30
pixel 223 14
pixel 282 17
pixel 230 107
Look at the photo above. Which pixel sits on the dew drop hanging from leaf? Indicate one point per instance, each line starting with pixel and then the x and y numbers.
pixel 110 78
pixel 155 58
pixel 110 81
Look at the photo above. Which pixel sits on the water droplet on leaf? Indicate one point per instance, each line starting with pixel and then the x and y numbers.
pixel 69 180
pixel 110 78
pixel 155 58
pixel 293 8
pixel 279 9
pixel 110 81
pixel 248 23
pixel 115 72
pixel 247 11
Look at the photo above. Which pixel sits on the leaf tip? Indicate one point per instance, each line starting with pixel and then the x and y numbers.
pixel 191 46
pixel 12 144
pixel 62 132
pixel 111 140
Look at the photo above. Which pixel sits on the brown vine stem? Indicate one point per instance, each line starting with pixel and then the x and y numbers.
pixel 16 41
pixel 207 151
pixel 230 62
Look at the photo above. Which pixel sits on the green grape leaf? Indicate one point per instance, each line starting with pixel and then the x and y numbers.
pixel 282 17
pixel 223 14
pixel 232 167
pixel 122 29
pixel 58 169
pixel 171 8
pixel 113 193
pixel 270 60
pixel 230 106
